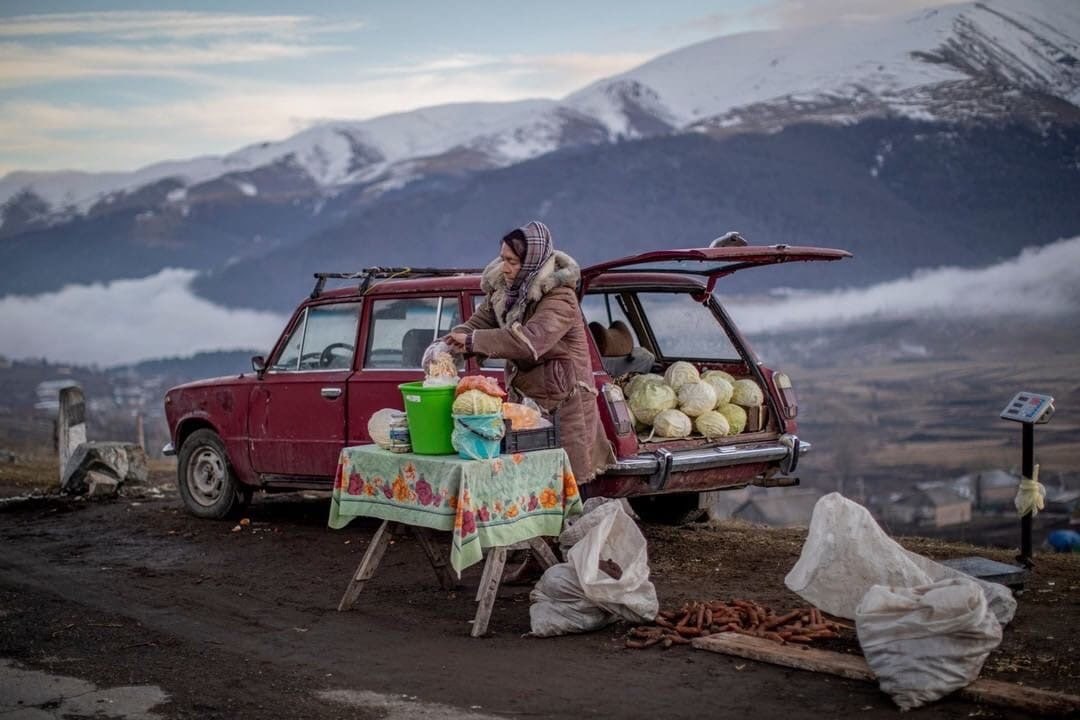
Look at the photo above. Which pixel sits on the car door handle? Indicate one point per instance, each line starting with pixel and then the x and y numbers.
pixel 330 393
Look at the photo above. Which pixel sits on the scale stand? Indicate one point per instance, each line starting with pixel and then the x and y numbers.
pixel 1028 409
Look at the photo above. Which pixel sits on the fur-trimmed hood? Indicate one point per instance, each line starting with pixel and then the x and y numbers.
pixel 560 270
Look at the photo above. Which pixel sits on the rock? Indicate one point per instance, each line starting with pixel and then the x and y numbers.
pixel 123 462
pixel 100 485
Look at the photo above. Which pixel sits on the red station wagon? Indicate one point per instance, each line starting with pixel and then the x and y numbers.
pixel 346 350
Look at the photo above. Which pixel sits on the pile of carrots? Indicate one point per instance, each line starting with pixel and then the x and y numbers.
pixel 700 619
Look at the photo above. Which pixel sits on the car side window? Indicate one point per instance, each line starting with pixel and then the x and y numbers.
pixel 324 339
pixel 402 329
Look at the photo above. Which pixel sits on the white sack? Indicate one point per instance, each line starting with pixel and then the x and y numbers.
pixel 577 596
pixel 846 553
pixel 925 642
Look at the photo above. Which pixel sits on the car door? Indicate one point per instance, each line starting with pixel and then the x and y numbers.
pixel 297 412
pixel 396 331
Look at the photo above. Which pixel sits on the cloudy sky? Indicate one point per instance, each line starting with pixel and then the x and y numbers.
pixel 110 85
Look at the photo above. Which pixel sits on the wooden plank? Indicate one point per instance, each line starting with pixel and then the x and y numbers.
pixel 1020 697
pixel 802 658
pixel 367 567
pixel 542 552
pixel 493 570
pixel 1031 700
pixel 435 555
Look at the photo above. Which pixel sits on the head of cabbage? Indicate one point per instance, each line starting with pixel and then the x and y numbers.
pixel 718 374
pixel 672 424
pixel 746 393
pixel 651 398
pixel 474 402
pixel 696 397
pixel 719 384
pixel 736 417
pixel 712 424
pixel 638 380
pixel 679 373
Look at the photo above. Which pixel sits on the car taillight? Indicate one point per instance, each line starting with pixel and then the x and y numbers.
pixel 616 403
pixel 789 401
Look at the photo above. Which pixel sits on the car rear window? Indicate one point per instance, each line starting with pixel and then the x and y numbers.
pixel 683 327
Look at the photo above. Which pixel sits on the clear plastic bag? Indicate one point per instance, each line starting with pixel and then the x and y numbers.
pixel 440 368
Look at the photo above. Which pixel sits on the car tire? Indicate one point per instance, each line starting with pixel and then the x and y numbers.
pixel 674 509
pixel 204 477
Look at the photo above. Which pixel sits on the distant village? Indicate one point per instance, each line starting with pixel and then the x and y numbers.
pixel 126 405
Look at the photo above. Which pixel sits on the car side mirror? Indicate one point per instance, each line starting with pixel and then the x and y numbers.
pixel 258 364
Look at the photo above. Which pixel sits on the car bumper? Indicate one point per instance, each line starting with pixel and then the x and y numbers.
pixel 168 449
pixel 661 464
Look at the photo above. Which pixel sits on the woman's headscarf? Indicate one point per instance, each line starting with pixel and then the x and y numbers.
pixel 531 243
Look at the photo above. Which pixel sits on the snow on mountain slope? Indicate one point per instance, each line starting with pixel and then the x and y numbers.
pixel 1032 44
pixel 982 59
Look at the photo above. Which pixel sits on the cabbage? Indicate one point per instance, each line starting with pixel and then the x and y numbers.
pixel 649 399
pixel 736 417
pixel 474 402
pixel 672 424
pixel 696 397
pixel 746 393
pixel 378 425
pixel 638 380
pixel 722 387
pixel 712 424
pixel 718 374
pixel 680 373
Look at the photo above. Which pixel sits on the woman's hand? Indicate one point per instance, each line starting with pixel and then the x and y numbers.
pixel 457 340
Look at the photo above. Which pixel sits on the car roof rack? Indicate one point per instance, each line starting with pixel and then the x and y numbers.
pixel 367 275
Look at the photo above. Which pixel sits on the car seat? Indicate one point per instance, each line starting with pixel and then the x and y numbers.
pixel 618 353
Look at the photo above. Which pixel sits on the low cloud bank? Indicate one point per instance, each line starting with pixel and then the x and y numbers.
pixel 1039 282
pixel 127 321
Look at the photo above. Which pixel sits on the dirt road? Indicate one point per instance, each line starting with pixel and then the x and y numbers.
pixel 240 625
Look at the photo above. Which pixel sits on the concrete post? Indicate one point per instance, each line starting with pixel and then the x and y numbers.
pixel 70 424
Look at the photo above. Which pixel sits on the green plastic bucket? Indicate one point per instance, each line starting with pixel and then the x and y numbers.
pixel 428 410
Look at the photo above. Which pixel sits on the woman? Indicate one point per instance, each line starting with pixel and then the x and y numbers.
pixel 532 319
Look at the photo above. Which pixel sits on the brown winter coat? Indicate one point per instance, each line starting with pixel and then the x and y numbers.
pixel 547 356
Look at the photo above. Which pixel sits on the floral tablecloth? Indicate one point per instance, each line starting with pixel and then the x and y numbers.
pixel 485 503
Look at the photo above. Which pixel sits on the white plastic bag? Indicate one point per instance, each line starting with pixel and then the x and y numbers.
pixel 606 576
pixel 925 642
pixel 846 553
pixel 559 605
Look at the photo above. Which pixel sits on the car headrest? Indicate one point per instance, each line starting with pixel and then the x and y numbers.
pixel 620 341
pixel 414 344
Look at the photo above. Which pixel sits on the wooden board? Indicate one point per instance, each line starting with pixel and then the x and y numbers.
pixel 1032 700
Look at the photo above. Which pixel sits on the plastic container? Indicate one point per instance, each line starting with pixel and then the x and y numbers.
pixel 541 438
pixel 428 410
pixel 478 437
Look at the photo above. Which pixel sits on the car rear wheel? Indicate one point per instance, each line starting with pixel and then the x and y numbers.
pixel 204 477
pixel 675 509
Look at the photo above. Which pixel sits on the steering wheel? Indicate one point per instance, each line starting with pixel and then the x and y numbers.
pixel 309 361
pixel 327 357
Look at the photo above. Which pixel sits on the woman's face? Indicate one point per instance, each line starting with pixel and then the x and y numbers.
pixel 511 263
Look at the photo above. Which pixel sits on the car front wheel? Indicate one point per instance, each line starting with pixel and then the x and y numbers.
pixel 674 509
pixel 206 482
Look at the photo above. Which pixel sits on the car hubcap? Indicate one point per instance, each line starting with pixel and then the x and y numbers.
pixel 206 476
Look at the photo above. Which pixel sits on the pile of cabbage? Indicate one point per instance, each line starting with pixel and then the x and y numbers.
pixel 683 401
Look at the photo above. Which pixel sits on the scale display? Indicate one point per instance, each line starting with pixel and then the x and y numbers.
pixel 1028 407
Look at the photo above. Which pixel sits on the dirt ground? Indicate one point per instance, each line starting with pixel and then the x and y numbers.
pixel 243 624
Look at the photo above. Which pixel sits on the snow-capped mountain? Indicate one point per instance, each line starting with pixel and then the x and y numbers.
pixel 1011 59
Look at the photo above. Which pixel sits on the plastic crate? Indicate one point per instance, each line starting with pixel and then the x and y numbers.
pixel 544 438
